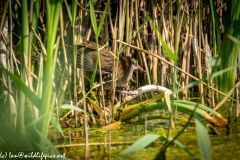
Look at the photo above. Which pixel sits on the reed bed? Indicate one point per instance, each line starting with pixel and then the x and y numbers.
pixel 190 47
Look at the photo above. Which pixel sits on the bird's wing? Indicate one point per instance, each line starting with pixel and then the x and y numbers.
pixel 107 61
pixel 90 58
pixel 88 63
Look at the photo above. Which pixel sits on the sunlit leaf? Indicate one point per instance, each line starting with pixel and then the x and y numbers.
pixel 167 100
pixel 48 143
pixel 199 106
pixel 215 62
pixel 93 17
pixel 235 40
pixel 168 51
pixel 95 106
pixel 180 145
pixel 55 122
pixel 101 21
pixel 68 10
pixel 203 138
pixel 141 143
pixel 74 11
pixel 69 107
pixel 24 88
pixel 216 34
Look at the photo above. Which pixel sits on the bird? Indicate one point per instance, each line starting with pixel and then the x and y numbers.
pixel 126 64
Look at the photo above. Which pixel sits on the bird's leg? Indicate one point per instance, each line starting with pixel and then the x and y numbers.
pixel 119 96
pixel 99 97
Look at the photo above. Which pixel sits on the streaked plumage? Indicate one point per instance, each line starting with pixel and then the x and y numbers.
pixel 126 64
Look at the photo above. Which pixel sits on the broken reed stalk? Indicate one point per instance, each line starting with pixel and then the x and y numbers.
pixel 169 63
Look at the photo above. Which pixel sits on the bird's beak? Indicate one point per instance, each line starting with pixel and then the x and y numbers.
pixel 140 68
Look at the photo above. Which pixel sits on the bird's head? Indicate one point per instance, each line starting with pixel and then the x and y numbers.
pixel 134 65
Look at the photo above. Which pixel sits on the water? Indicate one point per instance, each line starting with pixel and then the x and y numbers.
pixel 223 146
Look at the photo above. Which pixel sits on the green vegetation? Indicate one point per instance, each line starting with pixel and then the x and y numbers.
pixel 191 48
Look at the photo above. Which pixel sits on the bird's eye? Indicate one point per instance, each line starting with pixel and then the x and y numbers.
pixel 134 62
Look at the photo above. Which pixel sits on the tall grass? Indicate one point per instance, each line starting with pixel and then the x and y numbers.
pixel 171 32
pixel 33 127
pixel 229 50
